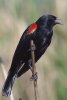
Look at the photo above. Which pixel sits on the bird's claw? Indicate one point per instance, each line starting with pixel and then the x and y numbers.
pixel 34 77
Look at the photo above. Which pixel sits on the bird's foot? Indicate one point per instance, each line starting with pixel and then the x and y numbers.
pixel 34 77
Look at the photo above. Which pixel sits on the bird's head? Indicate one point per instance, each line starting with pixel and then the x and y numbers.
pixel 48 21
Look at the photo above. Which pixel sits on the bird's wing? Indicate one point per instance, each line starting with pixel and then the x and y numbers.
pixel 23 47
pixel 24 43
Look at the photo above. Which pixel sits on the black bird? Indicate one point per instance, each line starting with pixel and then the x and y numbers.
pixel 41 33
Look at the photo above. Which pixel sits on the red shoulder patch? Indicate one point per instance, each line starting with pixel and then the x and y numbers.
pixel 32 28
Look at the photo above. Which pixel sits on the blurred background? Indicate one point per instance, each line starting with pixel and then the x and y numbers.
pixel 15 16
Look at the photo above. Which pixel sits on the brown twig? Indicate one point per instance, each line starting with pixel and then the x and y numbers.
pixel 34 67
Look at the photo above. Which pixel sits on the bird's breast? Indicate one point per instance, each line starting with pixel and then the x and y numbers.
pixel 43 39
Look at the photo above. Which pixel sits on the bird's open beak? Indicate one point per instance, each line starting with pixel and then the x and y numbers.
pixel 58 21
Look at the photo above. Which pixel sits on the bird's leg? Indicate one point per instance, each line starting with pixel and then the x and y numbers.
pixel 30 63
pixel 34 73
pixel 34 76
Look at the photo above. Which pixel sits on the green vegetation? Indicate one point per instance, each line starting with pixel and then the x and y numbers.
pixel 61 91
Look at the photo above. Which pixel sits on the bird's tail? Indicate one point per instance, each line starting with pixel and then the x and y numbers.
pixel 6 90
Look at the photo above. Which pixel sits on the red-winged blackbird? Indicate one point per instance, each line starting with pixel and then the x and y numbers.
pixel 41 33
